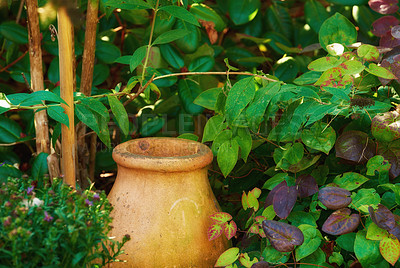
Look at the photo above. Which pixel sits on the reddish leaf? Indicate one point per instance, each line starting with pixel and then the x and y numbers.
pixel 341 222
pixel 383 25
pixel 387 40
pixel 220 217
pixel 334 197
pixel 210 29
pixel 270 198
pixel 382 217
pixel 230 229
pixel 355 147
pixel 284 201
pixel 395 231
pixel 391 152
pixel 260 219
pixel 390 249
pixel 384 6
pixel 261 264
pixel 282 236
pixel 306 186
pixel 214 231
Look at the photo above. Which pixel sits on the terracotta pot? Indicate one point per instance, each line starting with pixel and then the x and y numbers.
pixel 162 198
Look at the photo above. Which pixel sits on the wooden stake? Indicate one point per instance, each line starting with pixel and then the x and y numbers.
pixel 35 56
pixel 65 48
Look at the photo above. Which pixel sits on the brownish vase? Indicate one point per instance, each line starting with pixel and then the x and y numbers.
pixel 162 198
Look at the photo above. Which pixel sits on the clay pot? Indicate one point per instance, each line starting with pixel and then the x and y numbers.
pixel 162 198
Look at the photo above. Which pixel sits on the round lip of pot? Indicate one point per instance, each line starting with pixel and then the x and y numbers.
pixel 162 154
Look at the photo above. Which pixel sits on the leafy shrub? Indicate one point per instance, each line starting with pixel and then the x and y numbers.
pixel 45 225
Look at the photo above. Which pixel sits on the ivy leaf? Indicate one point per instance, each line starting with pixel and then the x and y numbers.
pixel 245 142
pixel 368 52
pixel 230 229
pixel 306 185
pixel 334 197
pixel 390 249
pixel 367 251
pixel 320 137
pixel 181 13
pixel 213 127
pixel 350 180
pixel 282 236
pixel 227 257
pixel 220 217
pixel 284 200
pixel 380 71
pixel 214 231
pixel 244 201
pixel 312 241
pixel 239 96
pixel 252 201
pixel 382 217
pixel 374 232
pixel 227 156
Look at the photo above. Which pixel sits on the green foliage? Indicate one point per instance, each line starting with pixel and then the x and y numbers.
pixel 54 225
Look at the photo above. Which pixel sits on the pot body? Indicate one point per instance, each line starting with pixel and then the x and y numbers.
pixel 162 198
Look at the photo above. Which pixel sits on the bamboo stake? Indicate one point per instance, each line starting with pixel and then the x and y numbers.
pixel 86 87
pixel 35 56
pixel 65 47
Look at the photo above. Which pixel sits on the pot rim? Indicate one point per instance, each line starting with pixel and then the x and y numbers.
pixel 198 157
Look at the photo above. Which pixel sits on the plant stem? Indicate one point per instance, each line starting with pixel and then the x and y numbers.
pixel 146 59
pixel 215 73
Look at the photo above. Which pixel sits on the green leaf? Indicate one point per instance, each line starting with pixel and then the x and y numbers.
pixel 38 97
pixel 39 166
pixel 288 156
pixel 227 156
pixel 172 56
pixel 14 32
pixel 128 4
pixel 368 52
pixel 188 136
pixel 53 73
pixel 288 125
pixel 206 13
pixel 107 52
pixel 86 116
pixel 307 78
pixel 365 198
pixel 222 137
pixel 151 126
pixel 367 251
pixel 104 133
pixel 8 171
pixel 393 187
pixel 202 64
pixel 10 130
pixel 336 258
pixel 208 98
pixel 380 71
pixel 315 14
pixel 96 106
pixel 188 92
pixel 181 13
pixel 137 57
pixel 376 233
pixel 350 180
pixel 190 42
pixel 301 217
pixel 286 69
pixel 320 137
pixel 56 134
pixel 100 74
pixel 275 180
pixel 220 217
pixel 120 113
pixel 312 240
pixel 239 96
pixel 243 11
pixel 256 110
pixel 245 142
pixel 352 67
pixel 346 241
pixel 324 63
pixel 124 59
pixel 280 21
pixel 379 164
pixel 213 127
pixel 337 29
pixel 170 36
pixel 227 257
pixel 58 114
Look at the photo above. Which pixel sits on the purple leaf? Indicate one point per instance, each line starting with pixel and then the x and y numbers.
pixel 334 197
pixel 395 31
pixel 382 217
pixel 270 198
pixel 395 231
pixel 283 236
pixel 284 201
pixel 341 222
pixel 383 25
pixel 306 186
pixel 355 147
pixel 384 6
pixel 387 40
pixel 391 152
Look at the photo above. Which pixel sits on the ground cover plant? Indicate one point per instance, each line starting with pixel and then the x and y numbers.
pixel 297 100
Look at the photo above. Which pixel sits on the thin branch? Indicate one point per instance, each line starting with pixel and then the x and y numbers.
pixel 150 40
pixel 215 73
pixel 14 62
pixel 140 90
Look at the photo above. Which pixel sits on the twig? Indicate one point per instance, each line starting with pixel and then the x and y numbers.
pixel 21 6
pixel 14 62
pixel 150 39
pixel 140 90
pixel 215 73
